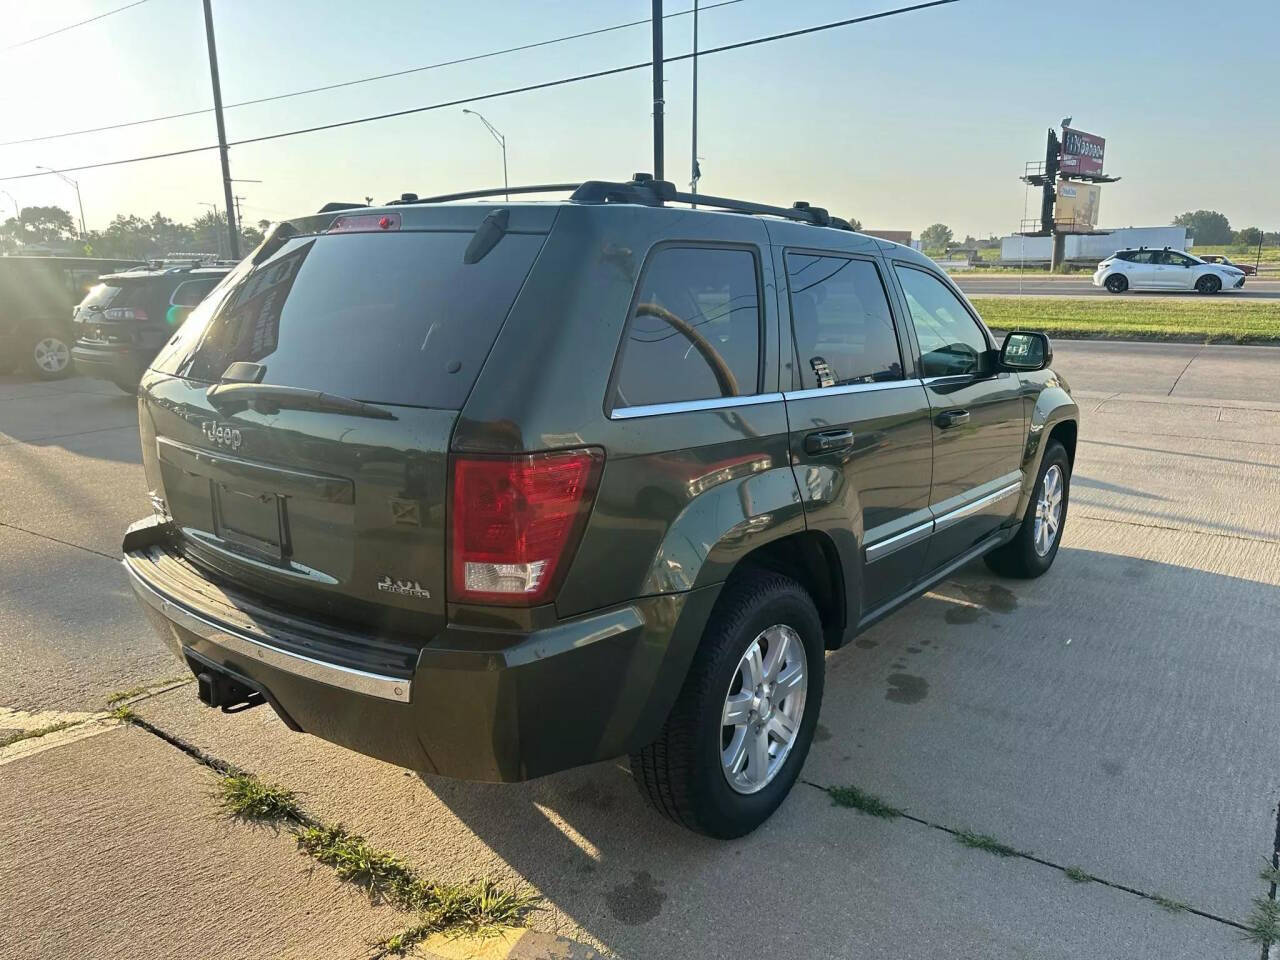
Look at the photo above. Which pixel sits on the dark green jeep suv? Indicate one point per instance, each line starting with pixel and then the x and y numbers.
pixel 492 490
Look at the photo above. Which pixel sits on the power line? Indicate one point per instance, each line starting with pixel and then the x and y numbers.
pixel 503 93
pixel 351 83
pixel 72 26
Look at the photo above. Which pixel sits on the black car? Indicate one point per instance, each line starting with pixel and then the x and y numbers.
pixel 493 490
pixel 37 298
pixel 127 317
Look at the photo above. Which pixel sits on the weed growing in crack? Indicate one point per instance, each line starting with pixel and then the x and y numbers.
pixel 984 841
pixel 1168 903
pixel 861 800
pixel 124 713
pixel 129 694
pixel 246 797
pixel 1263 925
pixel 1269 874
pixel 476 907
pixel 1078 875
pixel 37 732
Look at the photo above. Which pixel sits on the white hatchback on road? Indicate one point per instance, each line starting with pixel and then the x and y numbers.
pixel 1147 269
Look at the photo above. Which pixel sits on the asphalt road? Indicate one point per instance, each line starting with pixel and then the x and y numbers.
pixel 1042 285
pixel 1119 715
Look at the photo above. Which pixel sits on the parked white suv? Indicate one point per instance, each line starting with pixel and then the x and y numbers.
pixel 1147 269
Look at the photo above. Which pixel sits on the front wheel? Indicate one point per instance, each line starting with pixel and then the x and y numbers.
pixel 1032 550
pixel 50 356
pixel 1116 283
pixel 741 727
pixel 1208 284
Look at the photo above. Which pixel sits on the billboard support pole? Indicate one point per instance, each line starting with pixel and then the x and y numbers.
pixel 658 151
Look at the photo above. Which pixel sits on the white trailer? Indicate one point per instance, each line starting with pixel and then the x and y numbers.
pixel 1016 249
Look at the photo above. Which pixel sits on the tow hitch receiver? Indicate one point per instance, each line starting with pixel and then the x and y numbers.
pixel 219 690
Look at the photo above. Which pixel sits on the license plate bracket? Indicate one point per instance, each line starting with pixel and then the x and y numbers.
pixel 253 521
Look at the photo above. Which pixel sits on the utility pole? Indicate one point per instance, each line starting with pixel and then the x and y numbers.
pixel 233 233
pixel 237 198
pixel 693 150
pixel 658 171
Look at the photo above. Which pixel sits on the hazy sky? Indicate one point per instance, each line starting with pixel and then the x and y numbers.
pixel 901 122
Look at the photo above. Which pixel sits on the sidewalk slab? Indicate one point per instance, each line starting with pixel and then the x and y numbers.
pixel 815 881
pixel 113 847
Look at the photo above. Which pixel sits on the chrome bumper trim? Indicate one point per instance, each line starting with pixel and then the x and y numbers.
pixel 398 689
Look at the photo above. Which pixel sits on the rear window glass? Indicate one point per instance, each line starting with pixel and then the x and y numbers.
pixel 100 295
pixel 392 318
pixel 694 333
pixel 191 292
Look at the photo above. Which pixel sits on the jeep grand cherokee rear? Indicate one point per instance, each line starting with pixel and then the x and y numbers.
pixel 497 490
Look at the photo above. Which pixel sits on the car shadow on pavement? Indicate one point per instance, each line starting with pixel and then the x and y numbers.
pixel 1096 716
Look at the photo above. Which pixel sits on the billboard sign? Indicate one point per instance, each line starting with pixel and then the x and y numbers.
pixel 1081 152
pixel 1076 209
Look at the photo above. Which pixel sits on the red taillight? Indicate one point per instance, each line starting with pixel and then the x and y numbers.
pixel 515 522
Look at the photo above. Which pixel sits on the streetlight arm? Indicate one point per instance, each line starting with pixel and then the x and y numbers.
pixel 493 131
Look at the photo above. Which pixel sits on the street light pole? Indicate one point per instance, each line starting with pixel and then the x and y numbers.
pixel 233 234
pixel 658 147
pixel 79 203
pixel 693 151
pixel 502 142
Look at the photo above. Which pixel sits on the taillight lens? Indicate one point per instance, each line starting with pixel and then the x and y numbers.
pixel 515 523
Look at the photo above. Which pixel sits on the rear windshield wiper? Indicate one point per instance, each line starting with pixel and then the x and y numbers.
pixel 270 397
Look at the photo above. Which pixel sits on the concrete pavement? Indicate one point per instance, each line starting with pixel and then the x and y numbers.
pixel 1117 715
pixel 1040 284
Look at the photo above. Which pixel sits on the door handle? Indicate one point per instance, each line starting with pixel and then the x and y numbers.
pixel 952 418
pixel 828 441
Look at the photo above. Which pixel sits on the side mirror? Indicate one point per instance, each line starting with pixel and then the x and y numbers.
pixel 1024 350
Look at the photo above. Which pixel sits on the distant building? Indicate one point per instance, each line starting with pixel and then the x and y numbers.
pixel 893 236
pixel 1092 247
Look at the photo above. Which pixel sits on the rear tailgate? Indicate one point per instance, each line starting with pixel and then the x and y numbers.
pixel 335 511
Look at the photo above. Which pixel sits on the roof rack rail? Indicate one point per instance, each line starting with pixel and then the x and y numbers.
pixel 644 189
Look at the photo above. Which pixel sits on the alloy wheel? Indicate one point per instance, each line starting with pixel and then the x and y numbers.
pixel 1048 511
pixel 763 708
pixel 51 355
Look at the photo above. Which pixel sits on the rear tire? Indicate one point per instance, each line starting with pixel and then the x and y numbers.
pixel 49 356
pixel 698 771
pixel 1032 550
pixel 128 386
pixel 1116 283
pixel 1208 284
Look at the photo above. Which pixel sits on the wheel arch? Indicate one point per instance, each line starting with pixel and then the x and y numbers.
pixel 811 559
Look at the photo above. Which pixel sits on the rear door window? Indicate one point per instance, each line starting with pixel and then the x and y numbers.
pixel 393 318
pixel 842 330
pixel 694 330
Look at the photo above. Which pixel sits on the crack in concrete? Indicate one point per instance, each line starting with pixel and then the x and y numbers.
pixel 1184 370
pixel 1033 858
pixel 1161 526
pixel 1271 887
pixel 65 543
pixel 38 441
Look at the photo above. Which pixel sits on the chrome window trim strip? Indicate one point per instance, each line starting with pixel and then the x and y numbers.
pixel 687 406
pixel 953 517
pixel 398 689
pixel 848 388
pixel 882 548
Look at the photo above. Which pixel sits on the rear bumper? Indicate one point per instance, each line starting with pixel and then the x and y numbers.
pixel 475 704
pixel 122 362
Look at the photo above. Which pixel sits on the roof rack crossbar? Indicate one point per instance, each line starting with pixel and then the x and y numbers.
pixel 643 189
pixel 494 192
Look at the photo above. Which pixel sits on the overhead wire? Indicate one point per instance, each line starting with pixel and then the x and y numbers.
pixel 359 80
pixel 578 78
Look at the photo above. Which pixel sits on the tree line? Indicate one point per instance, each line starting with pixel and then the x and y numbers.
pixel 126 237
